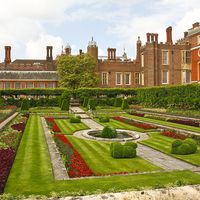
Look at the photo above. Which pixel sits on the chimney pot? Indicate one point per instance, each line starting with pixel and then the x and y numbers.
pixel 195 25
pixel 169 35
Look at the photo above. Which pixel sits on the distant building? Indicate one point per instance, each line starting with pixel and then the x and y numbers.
pixel 156 64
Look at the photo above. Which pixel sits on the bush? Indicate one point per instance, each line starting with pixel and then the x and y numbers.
pixel 188 146
pixel 1 101
pixel 104 119
pixel 25 105
pixel 75 120
pixel 128 150
pixel 91 104
pixel 118 102
pixel 85 102
pixel 65 104
pixel 125 105
pixel 109 132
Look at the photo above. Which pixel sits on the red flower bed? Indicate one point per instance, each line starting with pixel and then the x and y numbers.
pixel 19 127
pixel 185 122
pixel 133 123
pixel 138 114
pixel 174 135
pixel 53 124
pixel 77 166
pixel 6 159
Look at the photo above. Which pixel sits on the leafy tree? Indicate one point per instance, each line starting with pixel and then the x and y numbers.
pixel 25 105
pixel 76 71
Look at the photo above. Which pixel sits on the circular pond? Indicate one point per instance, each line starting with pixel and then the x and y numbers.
pixel 122 135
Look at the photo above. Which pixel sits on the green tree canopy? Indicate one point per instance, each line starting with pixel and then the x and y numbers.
pixel 76 71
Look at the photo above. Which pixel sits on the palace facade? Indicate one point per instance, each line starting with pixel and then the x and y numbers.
pixel 156 63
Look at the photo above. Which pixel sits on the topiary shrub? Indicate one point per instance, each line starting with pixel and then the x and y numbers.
pixel 125 105
pixel 25 105
pixel 128 150
pixel 104 119
pixel 65 104
pixel 85 102
pixel 118 102
pixel 91 104
pixel 75 120
pixel 188 146
pixel 109 132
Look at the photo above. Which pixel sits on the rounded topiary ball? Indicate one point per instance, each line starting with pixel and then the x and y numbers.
pixel 109 132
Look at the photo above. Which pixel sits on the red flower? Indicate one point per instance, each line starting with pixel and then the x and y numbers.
pixel 174 135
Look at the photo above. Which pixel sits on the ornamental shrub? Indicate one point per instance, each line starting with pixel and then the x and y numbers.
pixel 104 119
pixel 91 104
pixel 85 102
pixel 125 104
pixel 65 104
pixel 188 146
pixel 25 105
pixel 118 102
pixel 131 144
pixel 109 132
pixel 128 151
pixel 117 150
pixel 75 120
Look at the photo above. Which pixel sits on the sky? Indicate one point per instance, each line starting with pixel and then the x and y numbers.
pixel 30 25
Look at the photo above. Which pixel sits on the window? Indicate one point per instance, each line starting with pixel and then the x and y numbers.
pixel 41 85
pixel 7 85
pixel 142 60
pixel 1 85
pixel 29 85
pixel 186 57
pixel 17 85
pixel 137 78
pixel 118 78
pixel 165 59
pixel 104 78
pixel 165 77
pixel 186 76
pixel 142 78
pixel 50 85
pixel 127 78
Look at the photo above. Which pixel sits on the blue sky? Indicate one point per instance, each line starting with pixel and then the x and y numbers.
pixel 29 25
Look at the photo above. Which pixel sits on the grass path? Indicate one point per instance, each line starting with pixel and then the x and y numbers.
pixel 69 128
pixel 169 124
pixel 32 173
pixel 163 144
pixel 120 125
pixel 97 156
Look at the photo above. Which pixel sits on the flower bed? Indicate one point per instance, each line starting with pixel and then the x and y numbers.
pixel 75 164
pixel 185 122
pixel 6 111
pixel 174 135
pixel 134 123
pixel 52 124
pixel 137 114
pixel 19 126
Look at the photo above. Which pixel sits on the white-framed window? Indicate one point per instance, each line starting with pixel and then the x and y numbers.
pixel 1 85
pixel 165 77
pixel 51 85
pixel 29 85
pixel 17 85
pixel 186 76
pixel 185 57
pixel 142 60
pixel 7 85
pixel 127 78
pixel 165 57
pixel 137 78
pixel 104 78
pixel 118 78
pixel 142 78
pixel 41 85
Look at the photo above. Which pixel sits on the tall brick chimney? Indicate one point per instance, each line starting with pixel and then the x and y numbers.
pixel 7 59
pixel 148 37
pixel 49 53
pixel 139 44
pixel 111 54
pixel 169 35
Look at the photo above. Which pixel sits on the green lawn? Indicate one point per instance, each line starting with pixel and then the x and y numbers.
pixel 46 110
pixel 32 173
pixel 69 128
pixel 120 125
pixel 163 143
pixel 170 124
pixel 97 156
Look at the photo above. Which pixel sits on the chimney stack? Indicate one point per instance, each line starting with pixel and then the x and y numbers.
pixel 169 35
pixel 195 25
pixel 111 54
pixel 148 37
pixel 156 37
pixel 49 53
pixel 7 59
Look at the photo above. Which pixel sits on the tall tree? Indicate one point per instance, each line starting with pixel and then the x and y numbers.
pixel 76 71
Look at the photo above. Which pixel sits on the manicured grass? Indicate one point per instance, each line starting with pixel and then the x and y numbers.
pixel 32 173
pixel 46 110
pixel 163 143
pixel 120 125
pixel 69 128
pixel 170 124
pixel 97 155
